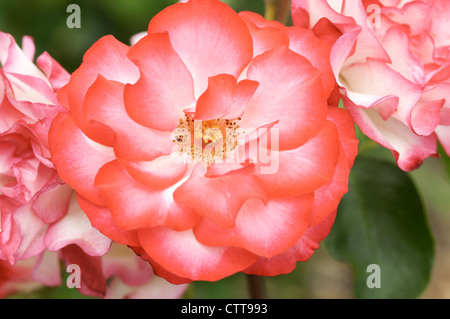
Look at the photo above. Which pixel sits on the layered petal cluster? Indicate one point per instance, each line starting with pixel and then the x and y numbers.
pixel 41 222
pixel 208 146
pixel 17 278
pixel 38 211
pixel 118 274
pixel 391 60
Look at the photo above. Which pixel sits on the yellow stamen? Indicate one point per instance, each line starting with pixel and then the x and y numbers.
pixel 201 139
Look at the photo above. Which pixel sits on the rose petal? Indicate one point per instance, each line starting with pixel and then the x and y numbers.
pixel 409 149
pixel 265 230
pixel 224 98
pixel 151 207
pixel 92 280
pixel 305 43
pixel 219 198
pixel 101 219
pixel 77 158
pixel 46 269
pixel 107 57
pixel 56 74
pixel 104 109
pixel 209 37
pixel 181 254
pixel 165 87
pixel 266 34
pixel 301 251
pixel 282 70
pixel 306 168
pixel 52 202
pixel 75 229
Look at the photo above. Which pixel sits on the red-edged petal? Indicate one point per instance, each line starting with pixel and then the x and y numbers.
pixel 134 205
pixel 396 44
pixel 346 129
pixel 327 31
pixel 305 43
pixel 27 88
pixel 219 198
pixel 265 230
pixel 104 110
pixel 301 251
pixel 327 197
pixel 290 92
pixel 75 229
pixel 56 74
pixel 165 87
pixel 77 158
pixel 63 98
pixel 426 116
pixel 218 98
pixel 31 96
pixel 367 44
pixel 17 61
pixel 436 93
pixel 100 218
pixel 266 34
pixel 306 168
pixel 209 37
pixel 160 173
pixel 51 203
pixel 181 254
pixel 409 149
pixel 224 98
pixel 377 79
pixel 159 270
pixel 107 57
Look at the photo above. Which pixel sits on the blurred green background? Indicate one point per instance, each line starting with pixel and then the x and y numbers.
pixel 321 276
pixel 45 21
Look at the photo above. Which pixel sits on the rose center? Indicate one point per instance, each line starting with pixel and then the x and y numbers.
pixel 206 141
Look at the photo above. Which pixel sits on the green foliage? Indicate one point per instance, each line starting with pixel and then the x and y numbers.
pixel 381 221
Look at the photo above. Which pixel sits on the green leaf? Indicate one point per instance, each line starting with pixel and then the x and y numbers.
pixel 381 221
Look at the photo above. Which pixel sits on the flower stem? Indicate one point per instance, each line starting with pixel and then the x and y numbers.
pixel 277 10
pixel 256 287
pixel 271 9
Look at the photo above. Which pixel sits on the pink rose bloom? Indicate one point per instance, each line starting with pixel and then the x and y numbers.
pixel 392 62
